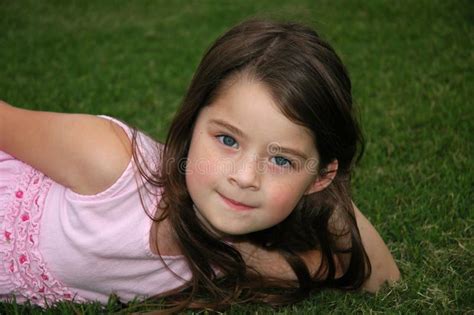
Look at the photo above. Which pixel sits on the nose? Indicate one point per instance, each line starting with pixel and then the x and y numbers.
pixel 245 173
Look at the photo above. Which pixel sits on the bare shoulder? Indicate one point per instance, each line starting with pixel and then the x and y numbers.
pixel 267 263
pixel 273 265
pixel 83 152
pixel 109 155
pixel 384 268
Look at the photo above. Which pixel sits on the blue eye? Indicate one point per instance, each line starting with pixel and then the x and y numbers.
pixel 227 140
pixel 281 161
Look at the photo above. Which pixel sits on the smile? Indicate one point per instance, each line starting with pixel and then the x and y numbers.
pixel 236 205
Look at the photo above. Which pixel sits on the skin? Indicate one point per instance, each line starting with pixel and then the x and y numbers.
pixel 248 168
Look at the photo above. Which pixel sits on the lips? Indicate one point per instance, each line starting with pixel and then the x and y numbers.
pixel 235 204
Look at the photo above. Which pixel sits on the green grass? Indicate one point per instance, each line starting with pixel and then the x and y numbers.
pixel 411 64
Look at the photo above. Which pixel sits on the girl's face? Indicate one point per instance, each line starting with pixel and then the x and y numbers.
pixel 248 165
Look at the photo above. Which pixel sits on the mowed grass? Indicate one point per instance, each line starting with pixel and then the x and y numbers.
pixel 411 63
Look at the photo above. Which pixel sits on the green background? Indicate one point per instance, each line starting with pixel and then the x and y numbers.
pixel 411 64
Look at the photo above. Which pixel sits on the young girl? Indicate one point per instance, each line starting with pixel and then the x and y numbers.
pixel 250 192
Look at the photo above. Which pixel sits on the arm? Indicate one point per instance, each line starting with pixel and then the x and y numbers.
pixel 82 152
pixel 384 269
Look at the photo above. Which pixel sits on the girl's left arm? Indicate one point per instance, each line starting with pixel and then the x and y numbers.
pixel 384 268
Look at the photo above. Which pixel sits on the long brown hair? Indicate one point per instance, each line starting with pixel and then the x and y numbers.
pixel 312 88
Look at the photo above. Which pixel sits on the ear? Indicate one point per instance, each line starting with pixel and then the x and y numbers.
pixel 324 178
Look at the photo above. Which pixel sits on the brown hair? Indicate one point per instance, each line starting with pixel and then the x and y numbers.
pixel 312 88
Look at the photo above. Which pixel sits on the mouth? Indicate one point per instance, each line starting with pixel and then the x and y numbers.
pixel 235 204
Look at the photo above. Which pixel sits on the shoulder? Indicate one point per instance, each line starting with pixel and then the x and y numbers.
pixel 267 263
pixel 84 153
pixel 108 156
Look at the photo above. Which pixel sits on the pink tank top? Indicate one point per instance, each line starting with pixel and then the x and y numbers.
pixel 85 247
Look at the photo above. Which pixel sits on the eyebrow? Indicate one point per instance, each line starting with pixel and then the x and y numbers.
pixel 290 151
pixel 241 134
pixel 228 126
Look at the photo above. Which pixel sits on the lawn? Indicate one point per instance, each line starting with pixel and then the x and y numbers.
pixel 411 64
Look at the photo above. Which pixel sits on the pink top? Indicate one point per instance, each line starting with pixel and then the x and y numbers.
pixel 60 245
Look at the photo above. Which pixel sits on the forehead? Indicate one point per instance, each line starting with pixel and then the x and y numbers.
pixel 249 106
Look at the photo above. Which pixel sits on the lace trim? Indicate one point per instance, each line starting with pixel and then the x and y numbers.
pixel 19 242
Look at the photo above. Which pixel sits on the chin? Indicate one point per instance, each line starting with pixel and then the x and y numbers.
pixel 227 231
pixel 238 231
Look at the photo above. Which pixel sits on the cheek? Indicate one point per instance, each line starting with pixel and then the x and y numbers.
pixel 196 174
pixel 285 197
pixel 200 169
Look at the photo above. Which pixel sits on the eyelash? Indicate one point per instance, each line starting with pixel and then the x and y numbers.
pixel 219 137
pixel 224 136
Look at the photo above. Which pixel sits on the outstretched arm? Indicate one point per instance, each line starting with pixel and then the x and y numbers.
pixel 82 152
